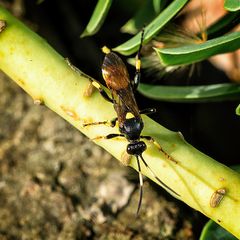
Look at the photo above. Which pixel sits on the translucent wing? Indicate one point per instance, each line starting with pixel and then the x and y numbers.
pixel 116 77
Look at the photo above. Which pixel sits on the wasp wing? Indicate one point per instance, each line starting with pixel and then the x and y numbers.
pixel 116 77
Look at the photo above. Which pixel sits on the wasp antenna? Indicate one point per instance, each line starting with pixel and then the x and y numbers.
pixel 158 179
pixel 138 63
pixel 106 50
pixel 142 35
pixel 140 186
pixel 141 43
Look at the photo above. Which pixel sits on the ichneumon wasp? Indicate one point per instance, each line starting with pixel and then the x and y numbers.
pixel 128 117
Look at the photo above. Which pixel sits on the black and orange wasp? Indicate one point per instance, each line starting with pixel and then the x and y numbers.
pixel 128 117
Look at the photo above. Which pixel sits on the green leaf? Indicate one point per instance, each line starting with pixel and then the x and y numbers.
pixel 212 231
pixel 232 5
pixel 157 5
pixel 152 29
pixel 238 110
pixel 146 13
pixel 224 24
pixel 99 14
pixel 192 53
pixel 213 92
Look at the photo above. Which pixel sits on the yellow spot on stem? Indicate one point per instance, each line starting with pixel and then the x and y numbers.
pixel 125 158
pixel 38 101
pixel 89 90
pixel 70 113
pixel 221 179
pixel 20 81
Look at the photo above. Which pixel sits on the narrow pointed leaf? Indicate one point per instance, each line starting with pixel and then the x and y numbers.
pixel 214 92
pixel 144 15
pixel 192 53
pixel 97 18
pixel 238 110
pixel 224 24
pixel 152 29
pixel 213 231
pixel 232 5
pixel 157 5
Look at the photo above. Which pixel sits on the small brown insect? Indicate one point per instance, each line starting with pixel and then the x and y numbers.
pixel 217 197
pixel 3 25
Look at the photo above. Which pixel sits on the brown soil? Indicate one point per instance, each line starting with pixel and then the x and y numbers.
pixel 57 184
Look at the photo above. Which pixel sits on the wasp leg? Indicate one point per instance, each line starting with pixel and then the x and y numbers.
pixel 137 77
pixel 158 179
pixel 109 136
pixel 75 69
pixel 150 139
pixel 101 91
pixel 111 123
pixel 113 135
pixel 93 82
pixel 148 111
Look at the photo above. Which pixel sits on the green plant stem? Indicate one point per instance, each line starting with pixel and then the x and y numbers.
pixel 48 79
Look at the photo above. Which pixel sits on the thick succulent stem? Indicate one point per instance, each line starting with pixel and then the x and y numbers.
pixel 201 182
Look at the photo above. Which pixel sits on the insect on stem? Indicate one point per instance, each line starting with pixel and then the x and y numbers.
pixel 128 114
